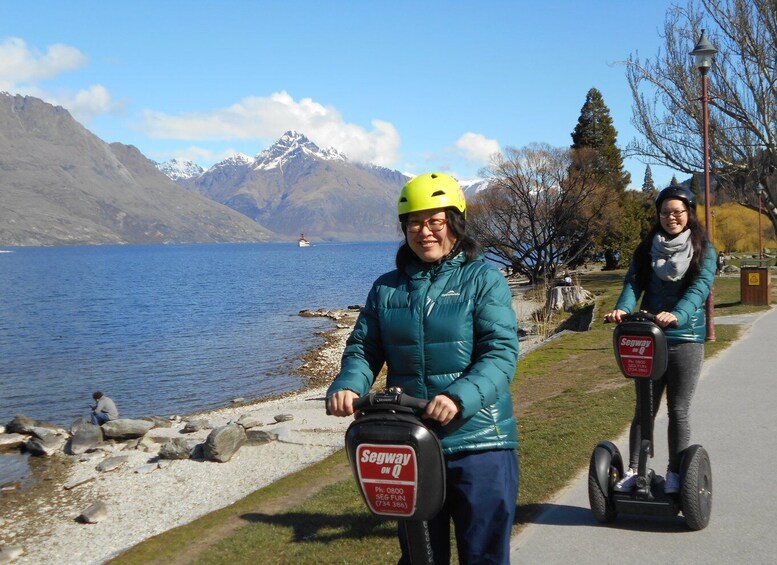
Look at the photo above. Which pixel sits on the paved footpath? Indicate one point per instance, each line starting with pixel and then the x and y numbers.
pixel 734 416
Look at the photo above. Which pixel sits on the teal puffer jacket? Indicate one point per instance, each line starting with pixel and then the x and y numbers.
pixel 451 329
pixel 687 304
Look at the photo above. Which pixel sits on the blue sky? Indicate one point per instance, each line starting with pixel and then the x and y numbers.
pixel 414 86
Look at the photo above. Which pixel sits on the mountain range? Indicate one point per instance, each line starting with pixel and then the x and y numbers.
pixel 294 186
pixel 60 184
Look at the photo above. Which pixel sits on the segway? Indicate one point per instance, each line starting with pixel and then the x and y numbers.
pixel 398 464
pixel 641 351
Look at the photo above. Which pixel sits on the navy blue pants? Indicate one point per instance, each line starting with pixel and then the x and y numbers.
pixel 98 418
pixel 481 496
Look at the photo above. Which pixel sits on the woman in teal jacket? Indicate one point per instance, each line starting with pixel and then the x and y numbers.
pixel 444 326
pixel 673 269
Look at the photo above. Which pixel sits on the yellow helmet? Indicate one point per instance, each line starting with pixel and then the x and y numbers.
pixel 430 191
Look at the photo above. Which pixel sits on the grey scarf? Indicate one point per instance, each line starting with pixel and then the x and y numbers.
pixel 671 257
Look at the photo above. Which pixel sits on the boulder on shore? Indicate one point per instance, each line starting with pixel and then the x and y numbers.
pixel 124 428
pixel 9 441
pixel 111 463
pixel 223 443
pixel 48 444
pixel 176 448
pixel 158 421
pixel 195 426
pixel 248 421
pixel 87 436
pixel 94 513
pixel 22 424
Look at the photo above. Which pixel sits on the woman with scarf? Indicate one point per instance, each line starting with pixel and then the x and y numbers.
pixel 673 270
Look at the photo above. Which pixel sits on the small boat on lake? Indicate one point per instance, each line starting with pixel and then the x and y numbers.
pixel 302 241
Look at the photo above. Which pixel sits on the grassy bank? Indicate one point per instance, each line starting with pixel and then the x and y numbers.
pixel 569 395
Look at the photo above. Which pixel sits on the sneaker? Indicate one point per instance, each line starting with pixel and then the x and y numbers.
pixel 671 483
pixel 628 482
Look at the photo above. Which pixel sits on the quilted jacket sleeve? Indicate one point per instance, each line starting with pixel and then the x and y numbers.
pixel 363 356
pixel 698 291
pixel 631 291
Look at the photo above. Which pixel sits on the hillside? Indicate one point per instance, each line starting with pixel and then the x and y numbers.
pixel 60 184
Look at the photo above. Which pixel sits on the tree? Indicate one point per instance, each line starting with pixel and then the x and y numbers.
pixel 540 209
pixel 743 97
pixel 674 181
pixel 736 230
pixel 595 131
pixel 638 218
pixel 647 184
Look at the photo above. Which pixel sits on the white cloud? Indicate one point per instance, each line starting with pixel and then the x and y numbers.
pixel 21 67
pixel 267 118
pixel 477 147
pixel 86 104
pixel 20 64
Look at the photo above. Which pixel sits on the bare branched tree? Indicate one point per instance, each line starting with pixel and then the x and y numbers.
pixel 743 97
pixel 539 212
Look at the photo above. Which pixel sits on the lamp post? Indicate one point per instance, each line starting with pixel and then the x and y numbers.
pixel 704 53
pixel 760 191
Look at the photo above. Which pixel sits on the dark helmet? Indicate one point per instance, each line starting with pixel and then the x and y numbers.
pixel 679 192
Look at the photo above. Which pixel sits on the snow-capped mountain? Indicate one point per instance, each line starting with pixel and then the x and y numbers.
pixel 389 175
pixel 290 146
pixel 180 169
pixel 234 162
pixel 295 186
pixel 473 186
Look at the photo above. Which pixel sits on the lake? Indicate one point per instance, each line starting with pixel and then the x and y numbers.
pixel 167 329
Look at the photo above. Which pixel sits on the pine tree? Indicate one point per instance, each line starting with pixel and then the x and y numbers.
pixel 648 185
pixel 594 130
pixel 674 181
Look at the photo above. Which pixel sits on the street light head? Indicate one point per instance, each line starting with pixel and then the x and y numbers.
pixel 704 53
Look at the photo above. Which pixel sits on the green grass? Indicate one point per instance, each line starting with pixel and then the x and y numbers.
pixel 568 396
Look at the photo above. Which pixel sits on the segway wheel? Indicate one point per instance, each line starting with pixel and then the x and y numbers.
pixel 601 502
pixel 696 487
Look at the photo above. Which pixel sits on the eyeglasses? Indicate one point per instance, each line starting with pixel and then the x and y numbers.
pixel 434 224
pixel 673 213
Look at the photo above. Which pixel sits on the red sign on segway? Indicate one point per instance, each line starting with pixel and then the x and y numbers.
pixel 388 476
pixel 636 355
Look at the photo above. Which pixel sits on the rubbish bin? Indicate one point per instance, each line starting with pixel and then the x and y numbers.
pixel 755 283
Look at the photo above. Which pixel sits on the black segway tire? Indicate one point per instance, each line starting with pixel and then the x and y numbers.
pixel 601 502
pixel 696 487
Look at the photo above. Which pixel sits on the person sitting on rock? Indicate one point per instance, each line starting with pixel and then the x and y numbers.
pixel 104 410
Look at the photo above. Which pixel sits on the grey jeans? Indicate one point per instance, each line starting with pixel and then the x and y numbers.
pixel 682 374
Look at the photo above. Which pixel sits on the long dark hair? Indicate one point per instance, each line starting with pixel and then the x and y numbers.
pixel 465 243
pixel 642 256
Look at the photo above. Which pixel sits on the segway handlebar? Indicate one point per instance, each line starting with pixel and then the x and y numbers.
pixel 392 396
pixel 640 315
